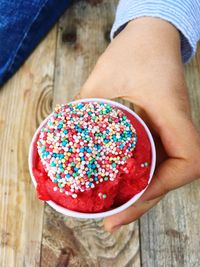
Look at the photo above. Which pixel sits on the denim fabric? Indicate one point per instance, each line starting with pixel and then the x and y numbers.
pixel 23 23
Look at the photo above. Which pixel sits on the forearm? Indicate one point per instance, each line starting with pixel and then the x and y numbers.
pixel 183 14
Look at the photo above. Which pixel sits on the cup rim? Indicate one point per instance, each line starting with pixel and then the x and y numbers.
pixel 104 214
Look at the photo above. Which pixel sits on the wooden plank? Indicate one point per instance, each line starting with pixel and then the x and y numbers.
pixel 170 231
pixel 83 36
pixel 24 101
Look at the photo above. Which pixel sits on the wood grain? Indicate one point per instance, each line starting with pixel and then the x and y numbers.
pixel 24 101
pixel 170 232
pixel 82 37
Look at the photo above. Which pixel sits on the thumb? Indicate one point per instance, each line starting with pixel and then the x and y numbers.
pixel 171 174
pixel 99 85
pixel 94 89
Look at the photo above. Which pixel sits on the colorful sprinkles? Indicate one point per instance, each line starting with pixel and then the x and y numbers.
pixel 145 164
pixel 84 144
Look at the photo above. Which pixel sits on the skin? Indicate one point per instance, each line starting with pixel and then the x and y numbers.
pixel 143 65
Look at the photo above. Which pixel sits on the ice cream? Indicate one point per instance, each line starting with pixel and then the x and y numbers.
pixel 91 157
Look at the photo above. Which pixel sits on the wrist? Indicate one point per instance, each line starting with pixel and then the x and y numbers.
pixel 154 38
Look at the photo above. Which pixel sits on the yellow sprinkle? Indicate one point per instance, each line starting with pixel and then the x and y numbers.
pixel 50 135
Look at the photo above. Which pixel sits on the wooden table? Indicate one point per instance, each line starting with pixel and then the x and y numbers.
pixel 31 233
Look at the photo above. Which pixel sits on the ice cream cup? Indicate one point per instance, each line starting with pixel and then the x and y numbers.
pixel 77 214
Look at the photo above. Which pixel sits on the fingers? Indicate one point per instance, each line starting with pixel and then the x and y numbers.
pixel 129 215
pixel 171 174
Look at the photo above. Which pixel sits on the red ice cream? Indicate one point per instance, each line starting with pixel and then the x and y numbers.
pixel 132 176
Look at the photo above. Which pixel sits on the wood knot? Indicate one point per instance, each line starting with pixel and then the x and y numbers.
pixel 94 2
pixel 107 35
pixel 63 259
pixel 69 37
pixel 176 234
pixel 173 233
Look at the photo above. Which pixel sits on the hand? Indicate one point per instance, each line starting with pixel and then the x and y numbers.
pixel 143 65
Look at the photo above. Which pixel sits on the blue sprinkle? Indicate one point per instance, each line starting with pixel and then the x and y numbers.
pixel 79 106
pixel 59 126
pixel 65 131
pixel 46 153
pixel 64 143
pixel 93 166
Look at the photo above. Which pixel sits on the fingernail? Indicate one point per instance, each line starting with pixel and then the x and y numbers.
pixel 77 97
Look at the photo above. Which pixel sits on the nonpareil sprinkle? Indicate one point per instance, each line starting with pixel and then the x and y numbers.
pixel 84 144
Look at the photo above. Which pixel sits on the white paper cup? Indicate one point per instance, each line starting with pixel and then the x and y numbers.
pixel 112 211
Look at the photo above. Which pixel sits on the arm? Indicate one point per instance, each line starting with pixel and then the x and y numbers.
pixel 183 14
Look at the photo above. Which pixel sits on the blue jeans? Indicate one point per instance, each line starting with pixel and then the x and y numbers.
pixel 23 23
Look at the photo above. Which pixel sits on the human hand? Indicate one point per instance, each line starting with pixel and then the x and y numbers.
pixel 143 65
